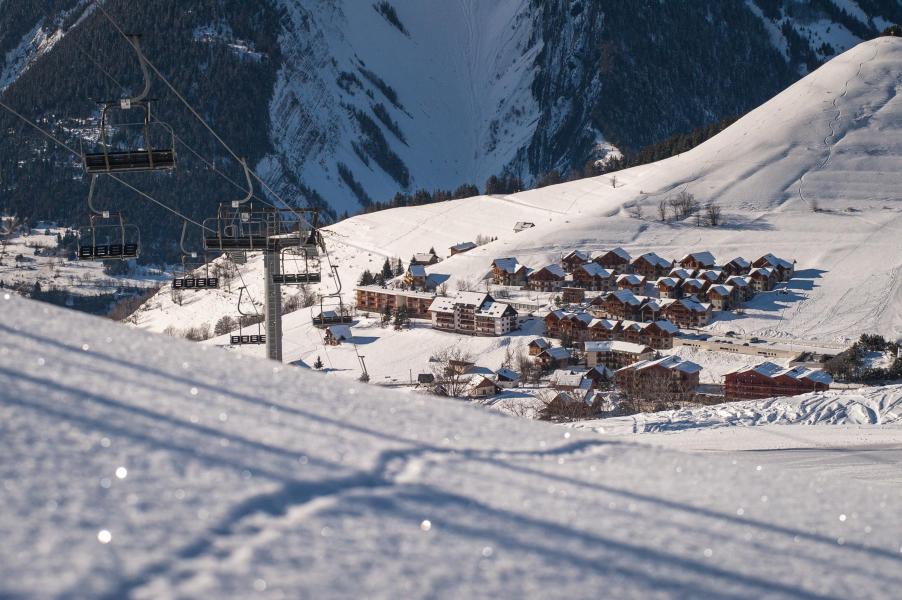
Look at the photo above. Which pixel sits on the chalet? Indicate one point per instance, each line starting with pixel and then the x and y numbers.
pixel 686 313
pixel 574 259
pixel 655 334
pixel 509 271
pixel 572 295
pixel 768 380
pixel 722 297
pixel 669 287
pixel 599 375
pixel 616 260
pixel 415 277
pixel 334 335
pixel 653 309
pixel 743 287
pixel 737 266
pixel 651 266
pixel 459 367
pixel 621 305
pixel 547 279
pixel 631 283
pixel 473 313
pixel 783 268
pixel 461 248
pixel 575 326
pixel 507 378
pixel 712 276
pixel 553 328
pixel 695 287
pixel 537 345
pixel 593 276
pixel 698 260
pixel 616 354
pixel 681 273
pixel 601 330
pixel 762 279
pixel 669 378
pixel 567 381
pixel 554 357
pixel 424 258
pixel 482 387
pixel 371 298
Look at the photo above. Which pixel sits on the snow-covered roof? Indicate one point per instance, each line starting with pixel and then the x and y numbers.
pixel 773 371
pixel 442 304
pixel 463 246
pixel 674 363
pixel 415 270
pixel 721 290
pixel 578 255
pixel 340 332
pixel 621 253
pixel 694 283
pixel 680 273
pixel 617 346
pixel 740 262
pixel 626 297
pixel 693 305
pixel 704 258
pixel 507 265
pixel 480 381
pixel 471 298
pixel 762 272
pixel 603 324
pixel 557 352
pixel 654 260
pixel 554 269
pixel 711 274
pixel 507 374
pixel 424 257
pixel 775 261
pixel 494 309
pixel 738 281
pixel 667 326
pixel 395 291
pixel 631 279
pixel 594 270
pixel 669 282
pixel 567 378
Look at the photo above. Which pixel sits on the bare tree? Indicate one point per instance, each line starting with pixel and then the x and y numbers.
pixel 442 290
pixel 684 205
pixel 526 366
pixel 651 391
pixel 451 377
pixel 662 210
pixel 713 212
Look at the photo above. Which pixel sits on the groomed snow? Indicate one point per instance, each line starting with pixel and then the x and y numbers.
pixel 135 465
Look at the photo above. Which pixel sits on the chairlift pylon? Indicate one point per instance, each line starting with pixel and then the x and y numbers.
pixel 126 156
pixel 108 236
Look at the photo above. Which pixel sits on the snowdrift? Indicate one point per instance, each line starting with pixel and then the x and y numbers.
pixel 135 465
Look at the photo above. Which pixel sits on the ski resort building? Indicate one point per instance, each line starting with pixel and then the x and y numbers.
pixel 737 266
pixel 574 259
pixel 768 380
pixel 722 297
pixel 473 313
pixel 371 298
pixel 616 260
pixel 509 271
pixel 461 248
pixel 592 276
pixel 651 266
pixel 616 354
pixel 549 278
pixel 698 260
pixel 762 279
pixel 631 283
pixel 669 287
pixel 665 379
pixel 783 269
pixel 686 313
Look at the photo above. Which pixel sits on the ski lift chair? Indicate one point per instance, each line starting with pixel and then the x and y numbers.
pixel 298 267
pixel 195 275
pixel 108 236
pixel 243 339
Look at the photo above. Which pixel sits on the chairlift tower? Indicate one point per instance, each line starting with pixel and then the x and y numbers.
pixel 273 307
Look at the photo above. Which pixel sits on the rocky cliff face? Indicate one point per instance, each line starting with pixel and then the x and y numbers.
pixel 340 104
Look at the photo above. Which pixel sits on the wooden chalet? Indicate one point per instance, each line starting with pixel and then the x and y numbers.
pixel 669 287
pixel 665 379
pixel 768 380
pixel 686 313
pixel 574 259
pixel 743 286
pixel 631 282
pixel 549 278
pixel 538 345
pixel 415 277
pixel 762 279
pixel 509 271
pixel 554 357
pixel 737 266
pixel 651 266
pixel 695 287
pixel 424 258
pixel 712 276
pixel 572 295
pixel 481 386
pixel 621 305
pixel 507 378
pixel 782 268
pixel 334 335
pixel 698 260
pixel 616 354
pixel 461 248
pixel 594 277
pixel 616 260
pixel 722 297
pixel 371 298
pixel 681 274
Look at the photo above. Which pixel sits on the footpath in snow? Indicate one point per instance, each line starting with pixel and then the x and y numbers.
pixel 134 465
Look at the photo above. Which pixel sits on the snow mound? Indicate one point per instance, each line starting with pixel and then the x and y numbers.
pixel 138 466
pixel 865 406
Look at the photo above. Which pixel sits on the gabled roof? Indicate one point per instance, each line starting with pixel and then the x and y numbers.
pixel 694 283
pixel 481 381
pixel 740 262
pixel 340 332
pixel 670 282
pixel 775 261
pixel 472 298
pixel 704 257
pixel 416 270
pixel 463 246
pixel 631 279
pixel 773 371
pixel 577 254
pixel 424 257
pixel 541 343
pixel 556 353
pixel 620 252
pixel 495 310
pixel 566 378
pixel 655 260
pixel 507 265
pixel 711 274
pixel 721 290
pixel 680 273
pixel 603 324
pixel 617 346
pixel 594 270
pixel 667 326
pixel 738 281
pixel 553 269
pixel 762 271
pixel 673 363
pixel 626 297
pixel 692 305
pixel 507 374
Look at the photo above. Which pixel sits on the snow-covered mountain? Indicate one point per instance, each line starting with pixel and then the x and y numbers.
pixel 136 466
pixel 343 103
pixel 811 175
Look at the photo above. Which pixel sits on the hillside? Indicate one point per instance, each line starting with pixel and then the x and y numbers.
pixel 339 104
pixel 832 142
pixel 145 467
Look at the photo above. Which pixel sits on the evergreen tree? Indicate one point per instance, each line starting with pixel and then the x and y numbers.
pixel 402 321
pixel 366 278
pixel 432 250
pixel 386 270
pixel 399 268
pixel 493 186
pixel 386 316
pixel 318 364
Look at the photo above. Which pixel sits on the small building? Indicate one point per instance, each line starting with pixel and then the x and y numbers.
pixel 554 357
pixel 698 260
pixel 657 334
pixel 495 318
pixel 415 277
pixel 461 248
pixel 425 378
pixel 669 287
pixel 538 345
pixel 424 258
pixel 722 297
pixel 507 378
pixel 334 335
pixel 593 277
pixel 574 259
pixel 459 367
pixel 549 278
pixel 482 387
pixel 522 226
pixel 783 269
pixel 567 380
pixel 686 313
pixel 681 274
pixel 508 271
pixel 616 260
pixel 664 379
pixel 712 276
pixel 744 290
pixel 621 305
pixel 572 295
pixel 616 354
pixel 653 309
pixel 631 283
pixel 768 380
pixel 762 279
pixel 599 375
pixel 651 266
pixel 737 266
pixel 694 287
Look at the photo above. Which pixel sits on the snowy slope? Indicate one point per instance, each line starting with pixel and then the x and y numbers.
pixel 144 467
pixel 834 138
